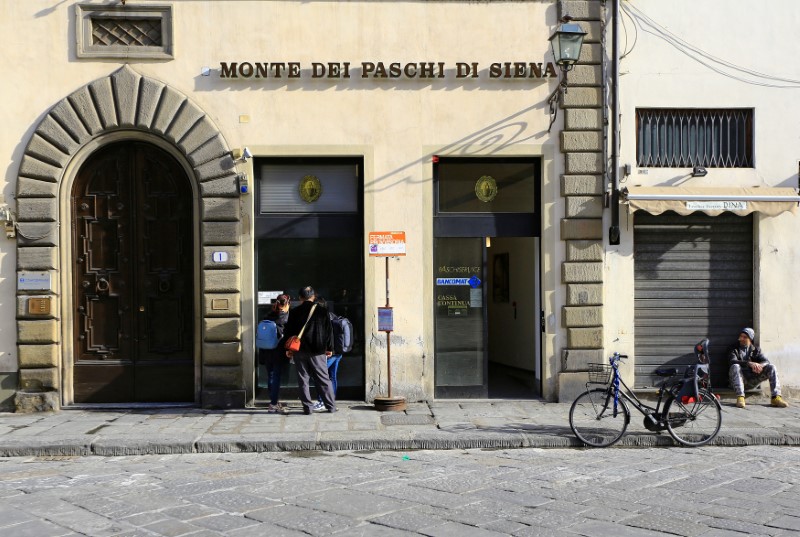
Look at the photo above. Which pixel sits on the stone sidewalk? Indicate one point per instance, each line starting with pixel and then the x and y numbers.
pixel 357 426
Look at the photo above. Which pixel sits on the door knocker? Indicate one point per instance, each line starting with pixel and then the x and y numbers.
pixel 102 286
pixel 164 284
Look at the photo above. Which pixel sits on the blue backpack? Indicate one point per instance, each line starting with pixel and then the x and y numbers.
pixel 267 335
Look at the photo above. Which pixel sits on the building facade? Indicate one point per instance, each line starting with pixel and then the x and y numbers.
pixel 174 166
pixel 708 174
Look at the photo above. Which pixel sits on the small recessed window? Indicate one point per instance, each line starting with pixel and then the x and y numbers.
pixel 683 138
pixel 140 32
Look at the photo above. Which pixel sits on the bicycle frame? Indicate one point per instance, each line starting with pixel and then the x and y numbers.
pixel 628 394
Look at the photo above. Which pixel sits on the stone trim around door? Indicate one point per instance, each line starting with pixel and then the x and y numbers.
pixel 124 102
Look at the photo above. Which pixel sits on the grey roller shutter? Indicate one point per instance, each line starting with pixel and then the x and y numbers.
pixel 693 279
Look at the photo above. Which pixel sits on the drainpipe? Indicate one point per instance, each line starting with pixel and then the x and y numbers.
pixel 613 231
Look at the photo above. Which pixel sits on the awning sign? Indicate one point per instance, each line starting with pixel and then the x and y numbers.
pixel 717 205
pixel 387 243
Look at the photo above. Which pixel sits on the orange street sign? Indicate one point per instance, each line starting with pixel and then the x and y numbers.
pixel 387 243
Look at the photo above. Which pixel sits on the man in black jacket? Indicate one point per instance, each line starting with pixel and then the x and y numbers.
pixel 316 344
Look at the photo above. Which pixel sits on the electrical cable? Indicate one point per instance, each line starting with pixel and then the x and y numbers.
pixel 625 29
pixel 714 63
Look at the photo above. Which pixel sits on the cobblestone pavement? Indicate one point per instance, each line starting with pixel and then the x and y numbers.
pixel 709 492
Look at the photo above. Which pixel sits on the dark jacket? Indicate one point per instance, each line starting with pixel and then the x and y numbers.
pixel 279 318
pixel 741 355
pixel 318 335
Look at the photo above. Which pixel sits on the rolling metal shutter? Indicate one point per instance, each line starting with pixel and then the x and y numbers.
pixel 693 279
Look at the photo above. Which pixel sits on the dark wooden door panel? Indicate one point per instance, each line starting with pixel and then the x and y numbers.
pixel 107 382
pixel 133 250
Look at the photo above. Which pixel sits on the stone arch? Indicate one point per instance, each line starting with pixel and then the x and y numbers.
pixel 128 102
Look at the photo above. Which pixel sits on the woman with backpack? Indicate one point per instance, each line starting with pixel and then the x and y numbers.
pixel 274 359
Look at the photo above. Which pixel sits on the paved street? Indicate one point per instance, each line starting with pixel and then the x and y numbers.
pixel 710 492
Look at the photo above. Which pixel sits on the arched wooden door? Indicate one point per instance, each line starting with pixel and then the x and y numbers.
pixel 132 282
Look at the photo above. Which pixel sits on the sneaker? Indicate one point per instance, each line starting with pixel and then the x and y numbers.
pixel 778 401
pixel 273 409
pixel 332 409
pixel 740 401
pixel 318 407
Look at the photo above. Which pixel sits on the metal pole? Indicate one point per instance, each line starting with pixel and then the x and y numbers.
pixel 388 339
pixel 613 230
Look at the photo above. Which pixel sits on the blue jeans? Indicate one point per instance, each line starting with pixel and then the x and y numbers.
pixel 274 362
pixel 333 369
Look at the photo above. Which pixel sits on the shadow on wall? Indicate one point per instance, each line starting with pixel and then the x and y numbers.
pixel 500 136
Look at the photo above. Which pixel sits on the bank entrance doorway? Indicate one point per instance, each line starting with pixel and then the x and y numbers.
pixel 486 278
pixel 309 231
pixel 132 284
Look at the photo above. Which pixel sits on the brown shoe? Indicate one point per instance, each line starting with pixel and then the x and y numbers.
pixel 778 401
pixel 740 401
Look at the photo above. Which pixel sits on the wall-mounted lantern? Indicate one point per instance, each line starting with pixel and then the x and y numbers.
pixel 566 43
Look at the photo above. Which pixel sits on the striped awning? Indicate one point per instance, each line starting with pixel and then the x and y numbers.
pixel 769 201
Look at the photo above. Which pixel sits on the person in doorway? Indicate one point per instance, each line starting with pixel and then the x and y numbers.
pixel 749 368
pixel 274 359
pixel 333 360
pixel 316 345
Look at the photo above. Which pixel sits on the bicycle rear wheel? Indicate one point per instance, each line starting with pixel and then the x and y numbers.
pixel 593 420
pixel 695 423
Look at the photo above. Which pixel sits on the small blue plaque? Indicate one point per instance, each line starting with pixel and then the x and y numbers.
pixel 385 320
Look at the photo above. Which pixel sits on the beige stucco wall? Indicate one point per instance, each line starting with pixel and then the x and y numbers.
pixel 397 125
pixel 718 58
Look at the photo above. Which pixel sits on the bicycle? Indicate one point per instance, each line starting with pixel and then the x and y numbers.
pixel 691 413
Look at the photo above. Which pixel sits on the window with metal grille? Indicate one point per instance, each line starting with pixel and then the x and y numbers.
pixel 124 31
pixel 682 138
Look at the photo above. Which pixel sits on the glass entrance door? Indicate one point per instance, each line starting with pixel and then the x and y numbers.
pixel 309 230
pixel 485 224
pixel 461 328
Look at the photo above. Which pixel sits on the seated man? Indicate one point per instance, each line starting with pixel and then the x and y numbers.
pixel 749 368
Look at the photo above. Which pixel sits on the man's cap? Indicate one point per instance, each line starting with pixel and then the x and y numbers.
pixel 749 332
pixel 307 292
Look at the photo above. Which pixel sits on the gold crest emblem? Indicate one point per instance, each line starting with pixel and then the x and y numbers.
pixel 310 188
pixel 486 188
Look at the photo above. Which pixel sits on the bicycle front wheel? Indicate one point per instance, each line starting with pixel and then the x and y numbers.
pixel 595 421
pixel 695 423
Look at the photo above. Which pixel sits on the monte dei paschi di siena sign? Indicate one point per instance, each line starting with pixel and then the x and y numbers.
pixel 388 70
